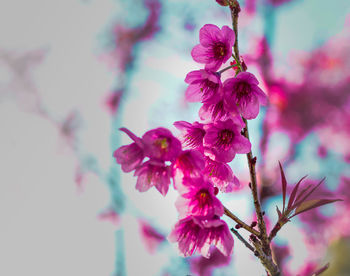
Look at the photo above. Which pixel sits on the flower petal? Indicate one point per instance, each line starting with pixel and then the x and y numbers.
pixel 208 34
pixel 200 54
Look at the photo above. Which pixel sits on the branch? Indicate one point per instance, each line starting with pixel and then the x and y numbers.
pixel 238 235
pixel 263 250
pixel 235 9
pixel 265 259
pixel 240 222
pixel 276 228
pixel 254 189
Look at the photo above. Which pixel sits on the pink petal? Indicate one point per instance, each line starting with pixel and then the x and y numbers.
pixel 261 95
pixel 225 242
pixel 143 183
pixel 213 64
pixel 193 76
pixel 200 54
pixel 229 35
pixel 182 125
pixel 242 145
pixel 208 33
pixel 251 110
pixel 181 205
pixel 130 134
pixel 129 156
pixel 193 93
pixel 248 77
pixel 162 185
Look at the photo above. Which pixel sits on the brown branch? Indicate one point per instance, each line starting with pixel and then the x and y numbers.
pixel 265 259
pixel 238 235
pixel 276 228
pixel 240 222
pixel 254 189
pixel 235 9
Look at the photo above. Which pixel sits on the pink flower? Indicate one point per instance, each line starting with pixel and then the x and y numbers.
pixel 226 139
pixel 204 86
pixel 218 111
pixel 153 173
pixel 244 92
pixel 190 163
pixel 220 174
pixel 215 46
pixel 193 134
pixel 161 144
pixel 198 233
pixel 198 199
pixel 129 156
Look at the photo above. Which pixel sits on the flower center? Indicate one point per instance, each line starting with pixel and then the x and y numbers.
pixel 194 138
pixel 162 144
pixel 208 87
pixel 219 50
pixel 242 90
pixel 218 109
pixel 203 198
pixel 184 163
pixel 225 138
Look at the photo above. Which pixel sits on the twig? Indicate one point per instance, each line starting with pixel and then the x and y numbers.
pixel 242 223
pixel 276 228
pixel 238 235
pixel 254 189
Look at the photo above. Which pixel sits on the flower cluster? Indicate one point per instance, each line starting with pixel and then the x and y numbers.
pixel 197 162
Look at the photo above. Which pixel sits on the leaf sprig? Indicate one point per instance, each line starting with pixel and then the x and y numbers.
pixel 297 202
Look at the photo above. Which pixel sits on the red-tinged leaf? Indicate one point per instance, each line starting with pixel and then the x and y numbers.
pixel 311 204
pixel 294 192
pixel 309 193
pixel 297 200
pixel 284 185
pixel 278 212
pixel 319 271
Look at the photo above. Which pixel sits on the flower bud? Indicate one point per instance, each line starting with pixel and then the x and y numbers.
pixel 222 2
pixel 238 226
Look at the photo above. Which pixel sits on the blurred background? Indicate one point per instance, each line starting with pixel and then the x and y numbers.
pixel 73 72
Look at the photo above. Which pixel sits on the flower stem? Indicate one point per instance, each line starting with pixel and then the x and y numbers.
pixel 226 68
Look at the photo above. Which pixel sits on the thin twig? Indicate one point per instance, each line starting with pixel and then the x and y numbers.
pixel 238 235
pixel 276 228
pixel 226 68
pixel 254 189
pixel 240 222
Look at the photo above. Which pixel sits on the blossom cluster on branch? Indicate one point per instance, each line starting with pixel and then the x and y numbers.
pixel 198 165
pixel 196 162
